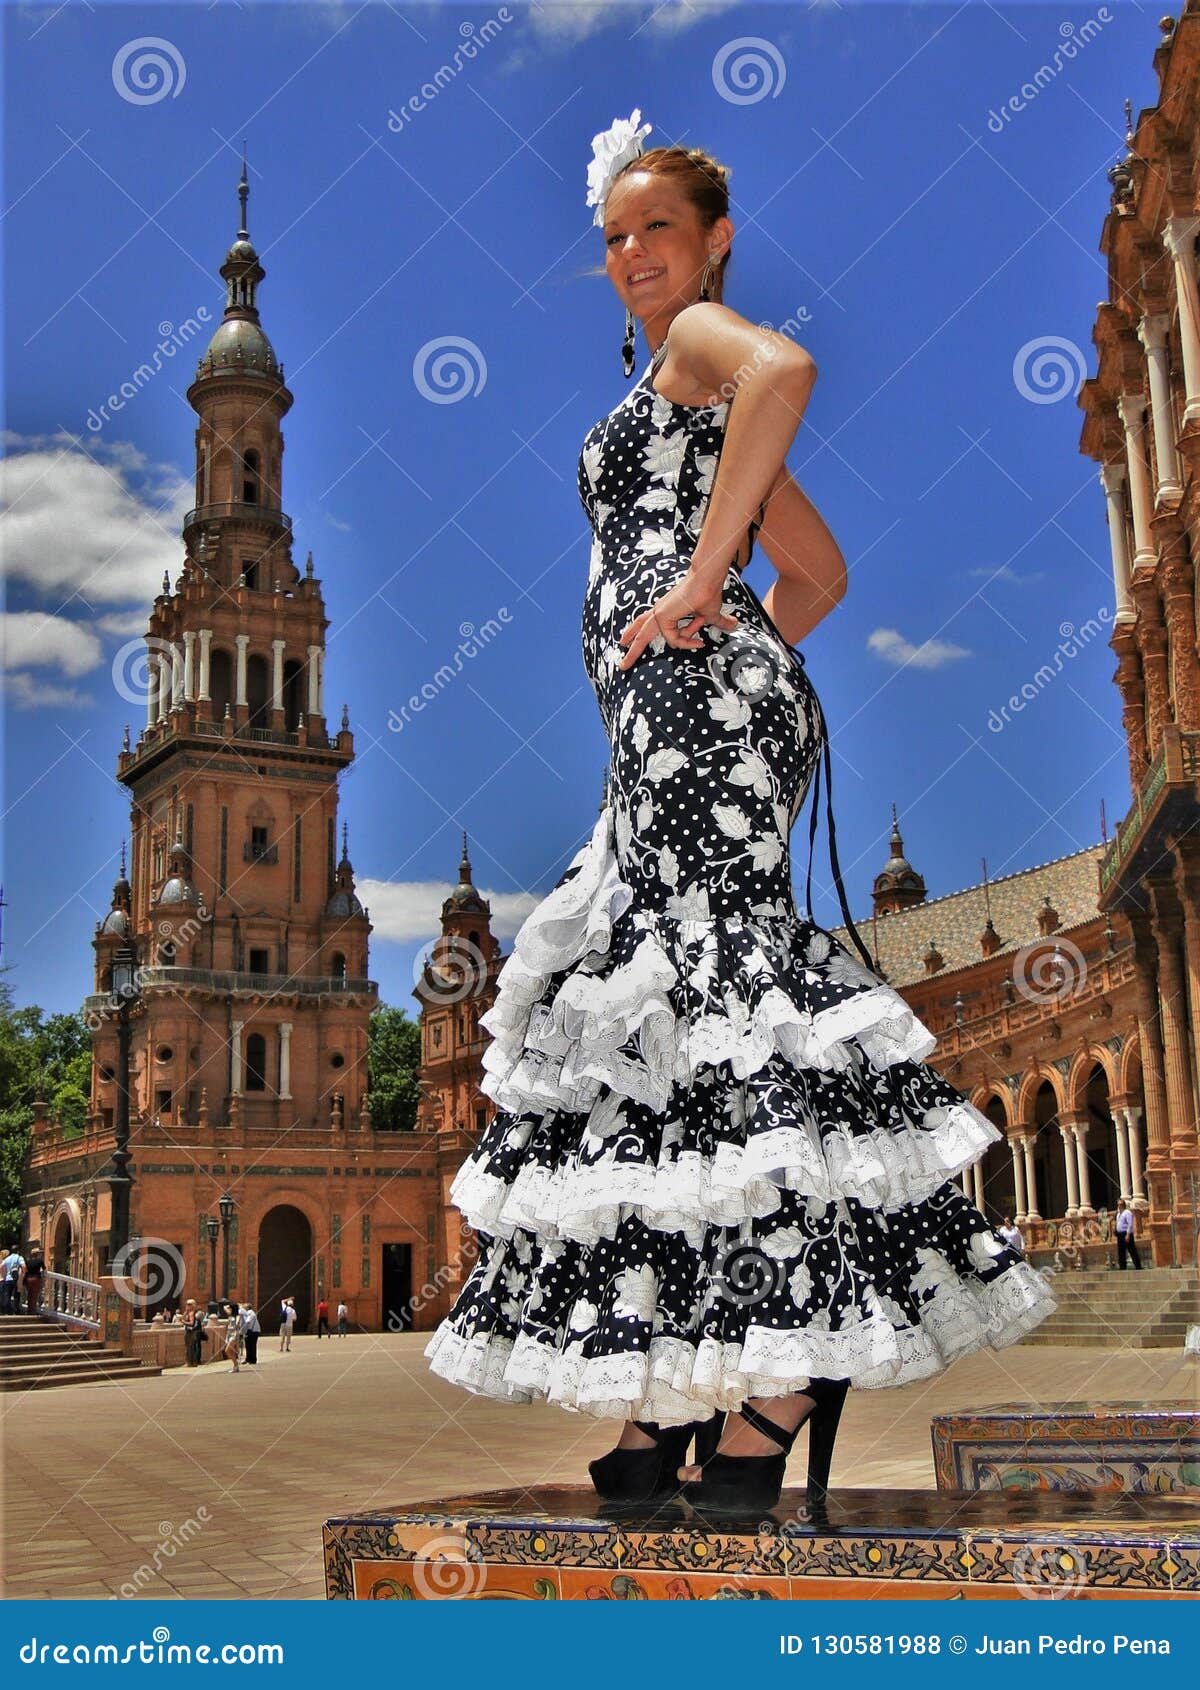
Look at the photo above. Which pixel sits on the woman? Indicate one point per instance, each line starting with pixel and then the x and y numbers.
pixel 721 1177
pixel 234 1334
pixel 194 1335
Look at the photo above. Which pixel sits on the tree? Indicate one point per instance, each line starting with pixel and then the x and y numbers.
pixel 393 1058
pixel 41 1057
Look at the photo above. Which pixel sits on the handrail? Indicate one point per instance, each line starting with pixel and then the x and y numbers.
pixel 70 1302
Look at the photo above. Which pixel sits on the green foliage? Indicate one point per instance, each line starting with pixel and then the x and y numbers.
pixel 393 1058
pixel 41 1057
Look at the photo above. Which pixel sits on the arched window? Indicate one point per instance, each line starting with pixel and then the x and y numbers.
pixel 250 478
pixel 256 1063
pixel 337 965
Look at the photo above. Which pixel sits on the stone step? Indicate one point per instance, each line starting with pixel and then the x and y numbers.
pixel 103 1368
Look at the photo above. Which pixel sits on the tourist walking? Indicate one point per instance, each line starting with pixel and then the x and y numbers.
pixel 343 1320
pixel 12 1268
pixel 720 1179
pixel 234 1336
pixel 1012 1235
pixel 251 1333
pixel 35 1266
pixel 323 1318
pixel 1126 1235
pixel 287 1320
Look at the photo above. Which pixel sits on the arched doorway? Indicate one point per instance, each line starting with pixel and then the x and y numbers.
pixel 285 1252
pixel 61 1245
pixel 1102 1143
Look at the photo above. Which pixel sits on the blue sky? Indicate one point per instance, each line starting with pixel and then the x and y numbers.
pixel 929 250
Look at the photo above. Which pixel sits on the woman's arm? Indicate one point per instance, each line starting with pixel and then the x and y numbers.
pixel 811 568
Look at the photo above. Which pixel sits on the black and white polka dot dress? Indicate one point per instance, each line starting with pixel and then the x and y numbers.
pixel 719 1164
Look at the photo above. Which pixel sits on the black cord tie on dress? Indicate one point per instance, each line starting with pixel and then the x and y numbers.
pixel 824 754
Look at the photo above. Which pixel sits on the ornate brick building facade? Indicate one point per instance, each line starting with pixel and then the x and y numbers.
pixel 248 1034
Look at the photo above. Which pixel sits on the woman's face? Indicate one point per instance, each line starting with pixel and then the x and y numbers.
pixel 656 246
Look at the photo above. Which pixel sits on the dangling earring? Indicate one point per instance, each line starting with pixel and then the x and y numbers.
pixel 706 276
pixel 628 343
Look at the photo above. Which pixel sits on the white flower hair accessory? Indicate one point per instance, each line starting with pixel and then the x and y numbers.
pixel 612 149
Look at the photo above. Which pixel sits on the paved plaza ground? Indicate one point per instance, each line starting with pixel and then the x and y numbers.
pixel 200 1483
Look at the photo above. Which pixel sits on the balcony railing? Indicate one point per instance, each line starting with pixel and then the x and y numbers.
pixel 1177 763
pixel 237 981
pixel 234 508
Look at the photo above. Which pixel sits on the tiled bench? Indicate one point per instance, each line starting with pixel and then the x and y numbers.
pixel 1069 1446
pixel 566 1545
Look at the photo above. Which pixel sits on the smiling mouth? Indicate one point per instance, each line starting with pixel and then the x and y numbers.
pixel 639 278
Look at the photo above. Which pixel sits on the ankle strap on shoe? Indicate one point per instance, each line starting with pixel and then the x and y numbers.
pixel 768 1428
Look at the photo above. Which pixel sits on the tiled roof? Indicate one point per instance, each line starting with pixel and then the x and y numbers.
pixel 954 922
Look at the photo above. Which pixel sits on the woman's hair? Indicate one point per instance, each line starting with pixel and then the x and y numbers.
pixel 702 179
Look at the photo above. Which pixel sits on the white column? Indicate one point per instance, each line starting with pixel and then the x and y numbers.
pixel 205 663
pixel 1134 1117
pixel 1112 479
pixel 189 666
pixel 285 1059
pixel 1071 1165
pixel 277 674
pixel 1121 1128
pixel 1030 1178
pixel 1080 1133
pixel 1178 235
pixel 1131 408
pixel 314 659
pixel 1018 1169
pixel 977 1181
pixel 176 675
pixel 164 681
pixel 243 640
pixel 1152 332
pixel 235 1056
pixel 153 688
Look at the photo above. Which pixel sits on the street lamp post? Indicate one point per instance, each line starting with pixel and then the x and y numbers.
pixel 225 1204
pixel 124 986
pixel 213 1227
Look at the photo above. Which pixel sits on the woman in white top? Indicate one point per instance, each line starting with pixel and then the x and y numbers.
pixel 1012 1235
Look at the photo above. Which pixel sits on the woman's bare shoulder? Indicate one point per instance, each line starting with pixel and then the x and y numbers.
pixel 716 347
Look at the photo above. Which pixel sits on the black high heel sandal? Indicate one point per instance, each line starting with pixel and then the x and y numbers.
pixel 738 1484
pixel 649 1475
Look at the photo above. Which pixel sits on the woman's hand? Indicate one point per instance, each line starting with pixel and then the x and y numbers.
pixel 689 602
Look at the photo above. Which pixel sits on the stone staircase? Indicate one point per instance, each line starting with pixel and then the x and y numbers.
pixel 1105 1308
pixel 36 1354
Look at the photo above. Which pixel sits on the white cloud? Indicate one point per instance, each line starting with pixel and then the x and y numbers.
pixel 892 646
pixel 30 640
pixel 405 911
pixel 94 526
pixel 576 20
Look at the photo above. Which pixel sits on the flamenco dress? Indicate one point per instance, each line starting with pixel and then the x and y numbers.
pixel 719 1164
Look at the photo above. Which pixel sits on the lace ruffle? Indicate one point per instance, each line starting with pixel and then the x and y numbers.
pixel 647 999
pixel 678 1379
pixel 738 1182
